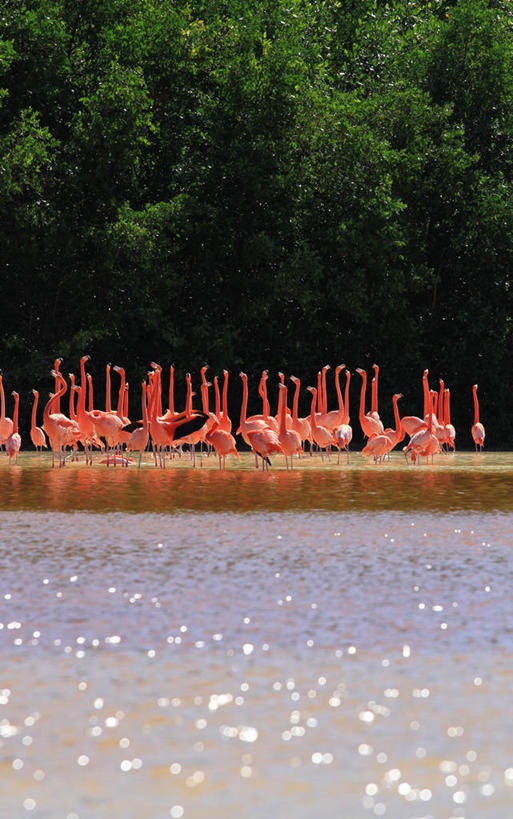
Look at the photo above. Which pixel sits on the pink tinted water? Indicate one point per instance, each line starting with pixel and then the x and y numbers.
pixel 335 642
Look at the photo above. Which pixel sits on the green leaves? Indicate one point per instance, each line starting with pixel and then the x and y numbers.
pixel 283 182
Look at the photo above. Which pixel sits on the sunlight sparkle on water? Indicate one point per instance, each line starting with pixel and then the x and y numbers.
pixel 353 673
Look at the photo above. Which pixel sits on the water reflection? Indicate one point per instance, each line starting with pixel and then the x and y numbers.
pixel 483 482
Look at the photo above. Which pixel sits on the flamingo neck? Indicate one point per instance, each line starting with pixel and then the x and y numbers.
pixel 313 420
pixel 34 410
pixel 447 408
pixel 90 385
pixel 339 393
pixel 108 407
pixel 121 395
pixel 324 398
pixel 218 397
pixel 374 398
pixel 440 413
pixel 15 414
pixel 225 394
pixel 427 399
pixel 346 398
pixel 476 408
pixel 362 395
pixel 296 401
pixel 282 401
pixel 398 425
pixel 172 390
pixel 144 406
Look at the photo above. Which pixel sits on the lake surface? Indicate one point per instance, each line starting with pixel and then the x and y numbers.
pixel 335 641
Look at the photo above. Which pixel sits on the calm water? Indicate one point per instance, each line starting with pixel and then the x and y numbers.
pixel 331 642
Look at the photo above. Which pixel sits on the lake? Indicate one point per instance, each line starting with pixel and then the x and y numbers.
pixel 335 641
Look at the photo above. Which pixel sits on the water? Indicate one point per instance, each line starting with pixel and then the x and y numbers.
pixel 335 642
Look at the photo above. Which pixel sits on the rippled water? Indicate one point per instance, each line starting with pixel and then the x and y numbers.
pixel 332 642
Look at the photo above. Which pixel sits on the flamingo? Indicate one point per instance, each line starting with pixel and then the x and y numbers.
pixel 196 436
pixel 290 440
pixel 248 425
pixel 264 442
pixel 56 369
pixel 396 435
pixel 343 434
pixel 440 430
pixel 37 435
pixel 85 419
pixel 6 424
pixel 451 432
pixel 478 430
pixel 322 436
pixel 108 424
pixel 224 421
pixel 138 440
pixel 424 442
pixel 331 420
pixel 300 425
pixel 159 432
pixel 374 394
pixel 266 409
pixel 322 398
pixel 412 423
pixel 13 442
pixel 60 430
pixel 288 414
pixel 223 443
pixel 380 445
pixel 370 425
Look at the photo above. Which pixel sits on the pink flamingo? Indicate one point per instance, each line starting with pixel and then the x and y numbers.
pixel 370 425
pixel 331 420
pixel 300 425
pixel 343 434
pixel 451 431
pixel 61 430
pixel 264 442
pixel 138 440
pixel 37 435
pixel 289 439
pixel 374 394
pixel 223 443
pixel 85 419
pixel 248 425
pixel 380 445
pixel 478 430
pixel 424 442
pixel 5 423
pixel 412 423
pixel 13 442
pixel 322 436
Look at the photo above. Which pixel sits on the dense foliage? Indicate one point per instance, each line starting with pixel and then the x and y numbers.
pixel 254 184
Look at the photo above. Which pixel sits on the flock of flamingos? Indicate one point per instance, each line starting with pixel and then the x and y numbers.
pixel 112 432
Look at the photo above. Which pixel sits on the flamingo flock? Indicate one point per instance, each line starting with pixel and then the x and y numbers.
pixel 166 432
